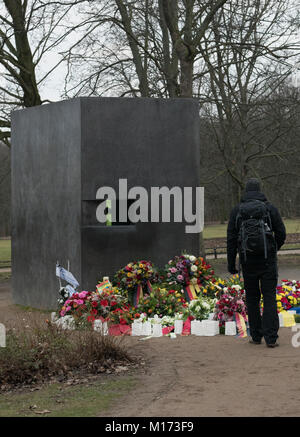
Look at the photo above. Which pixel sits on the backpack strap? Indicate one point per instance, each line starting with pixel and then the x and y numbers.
pixel 269 216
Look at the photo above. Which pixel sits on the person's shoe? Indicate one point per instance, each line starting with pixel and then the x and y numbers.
pixel 255 342
pixel 272 345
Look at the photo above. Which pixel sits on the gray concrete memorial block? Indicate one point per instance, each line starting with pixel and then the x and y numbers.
pixel 62 154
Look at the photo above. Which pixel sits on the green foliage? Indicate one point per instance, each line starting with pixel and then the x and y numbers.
pixel 5 251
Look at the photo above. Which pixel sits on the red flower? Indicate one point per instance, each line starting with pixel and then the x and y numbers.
pixel 104 302
pixel 94 304
pixel 122 321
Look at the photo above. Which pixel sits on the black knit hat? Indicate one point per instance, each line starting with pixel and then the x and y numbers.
pixel 252 184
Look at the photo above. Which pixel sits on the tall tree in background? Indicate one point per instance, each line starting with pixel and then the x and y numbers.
pixel 196 18
pixel 148 48
pixel 251 60
pixel 29 31
pixel 235 56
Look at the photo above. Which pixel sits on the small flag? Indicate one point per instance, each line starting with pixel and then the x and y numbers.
pixel 66 276
pixel 102 286
pixel 70 290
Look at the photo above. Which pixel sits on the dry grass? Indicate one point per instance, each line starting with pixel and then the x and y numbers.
pixel 41 351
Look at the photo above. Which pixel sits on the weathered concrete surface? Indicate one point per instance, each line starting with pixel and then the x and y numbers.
pixel 46 203
pixel 62 154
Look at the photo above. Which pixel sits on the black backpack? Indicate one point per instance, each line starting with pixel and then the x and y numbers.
pixel 254 228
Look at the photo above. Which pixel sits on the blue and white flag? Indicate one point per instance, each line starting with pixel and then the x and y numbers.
pixel 70 290
pixel 66 276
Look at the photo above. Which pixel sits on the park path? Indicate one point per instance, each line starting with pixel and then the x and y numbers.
pixel 213 376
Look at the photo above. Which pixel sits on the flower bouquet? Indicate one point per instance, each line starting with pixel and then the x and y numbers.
pixel 89 306
pixel 186 269
pixel 190 274
pixel 162 302
pixel 201 307
pixel 288 295
pixel 230 301
pixel 135 278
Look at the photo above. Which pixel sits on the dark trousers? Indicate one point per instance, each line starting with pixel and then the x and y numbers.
pixel 262 279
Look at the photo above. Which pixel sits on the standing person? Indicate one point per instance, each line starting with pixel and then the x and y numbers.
pixel 257 232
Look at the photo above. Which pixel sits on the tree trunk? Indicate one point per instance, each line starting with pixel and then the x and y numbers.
pixel 186 78
pixel 27 78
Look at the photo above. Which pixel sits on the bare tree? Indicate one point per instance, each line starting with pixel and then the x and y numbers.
pixel 148 48
pixel 249 54
pixel 29 31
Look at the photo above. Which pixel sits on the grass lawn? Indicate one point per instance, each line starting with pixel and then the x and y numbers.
pixel 210 231
pixel 5 251
pixel 87 400
pixel 219 231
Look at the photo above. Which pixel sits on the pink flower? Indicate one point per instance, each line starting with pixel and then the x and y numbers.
pixel 173 270
pixel 180 278
pixel 68 308
pixel 62 313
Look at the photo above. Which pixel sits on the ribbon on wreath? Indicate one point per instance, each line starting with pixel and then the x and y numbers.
pixel 149 287
pixel 137 295
pixel 241 325
pixel 190 292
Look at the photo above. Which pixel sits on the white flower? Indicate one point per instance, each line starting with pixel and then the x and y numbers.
pixel 192 258
pixel 194 281
pixel 194 268
pixel 236 287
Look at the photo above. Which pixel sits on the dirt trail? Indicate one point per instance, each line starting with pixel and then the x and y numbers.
pixel 214 376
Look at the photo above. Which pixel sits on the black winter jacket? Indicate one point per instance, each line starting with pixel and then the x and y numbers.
pixel 232 232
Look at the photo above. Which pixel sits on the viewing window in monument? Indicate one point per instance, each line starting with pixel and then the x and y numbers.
pixel 89 216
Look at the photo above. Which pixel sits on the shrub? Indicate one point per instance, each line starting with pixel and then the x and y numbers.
pixel 37 353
